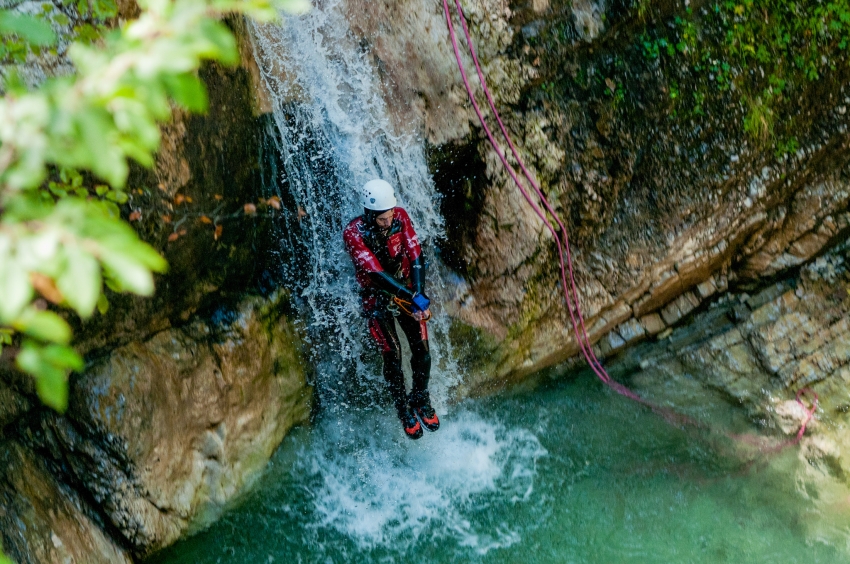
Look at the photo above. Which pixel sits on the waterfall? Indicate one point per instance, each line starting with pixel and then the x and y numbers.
pixel 333 133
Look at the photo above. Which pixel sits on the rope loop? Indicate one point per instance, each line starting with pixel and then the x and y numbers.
pixel 398 305
pixel 810 412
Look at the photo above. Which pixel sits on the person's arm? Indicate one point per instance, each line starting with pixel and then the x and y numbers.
pixel 417 265
pixel 413 251
pixel 388 283
pixel 417 275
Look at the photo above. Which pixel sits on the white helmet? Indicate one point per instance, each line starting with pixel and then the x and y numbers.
pixel 378 195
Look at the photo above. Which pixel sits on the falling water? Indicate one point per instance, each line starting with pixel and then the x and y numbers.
pixel 333 134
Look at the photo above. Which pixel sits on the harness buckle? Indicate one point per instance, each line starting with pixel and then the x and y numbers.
pixel 393 308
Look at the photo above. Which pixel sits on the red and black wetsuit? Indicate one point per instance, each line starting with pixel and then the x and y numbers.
pixel 389 263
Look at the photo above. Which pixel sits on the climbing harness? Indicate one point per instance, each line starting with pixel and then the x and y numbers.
pixel 567 274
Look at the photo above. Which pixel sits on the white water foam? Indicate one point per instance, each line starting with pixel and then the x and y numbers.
pixel 333 134
pixel 382 490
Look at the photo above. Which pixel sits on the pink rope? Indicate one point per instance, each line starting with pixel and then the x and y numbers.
pixel 567 273
pixel 581 336
pixel 809 412
pixel 569 288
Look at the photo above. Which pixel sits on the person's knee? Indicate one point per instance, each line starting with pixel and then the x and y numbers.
pixel 425 358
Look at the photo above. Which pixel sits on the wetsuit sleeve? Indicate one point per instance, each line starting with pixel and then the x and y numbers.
pixel 411 240
pixel 386 282
pixel 413 251
pixel 417 274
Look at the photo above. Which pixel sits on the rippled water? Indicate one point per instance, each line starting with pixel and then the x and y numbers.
pixel 565 473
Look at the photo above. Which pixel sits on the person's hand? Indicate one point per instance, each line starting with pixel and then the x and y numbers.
pixel 422 315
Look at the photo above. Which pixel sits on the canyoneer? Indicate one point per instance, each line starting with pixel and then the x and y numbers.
pixel 390 269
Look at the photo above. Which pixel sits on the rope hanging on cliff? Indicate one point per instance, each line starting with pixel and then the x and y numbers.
pixel 568 283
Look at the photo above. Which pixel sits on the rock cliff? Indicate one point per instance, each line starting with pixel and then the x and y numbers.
pixel 692 197
pixel 669 206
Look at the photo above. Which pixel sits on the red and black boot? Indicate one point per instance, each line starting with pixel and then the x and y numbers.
pixel 411 425
pixel 428 416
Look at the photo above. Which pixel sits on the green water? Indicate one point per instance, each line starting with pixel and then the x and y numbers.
pixel 568 472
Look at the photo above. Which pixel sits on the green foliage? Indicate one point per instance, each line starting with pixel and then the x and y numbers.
pixel 758 122
pixel 765 49
pixel 21 34
pixel 786 147
pixel 64 150
pixel 81 20
pixel 28 28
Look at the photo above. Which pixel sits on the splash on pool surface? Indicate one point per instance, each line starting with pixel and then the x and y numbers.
pixel 567 473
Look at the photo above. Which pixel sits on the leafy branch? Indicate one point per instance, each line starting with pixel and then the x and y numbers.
pixel 61 241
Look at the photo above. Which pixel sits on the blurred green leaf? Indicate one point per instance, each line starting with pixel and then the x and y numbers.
pixel 128 274
pixel 27 27
pixel 117 196
pixel 102 304
pixel 43 325
pixel 222 44
pixel 27 206
pixel 50 365
pixel 50 384
pixel 80 281
pixel 188 90
pixel 63 357
pixel 15 289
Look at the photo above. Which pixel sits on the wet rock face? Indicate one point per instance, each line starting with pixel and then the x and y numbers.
pixel 213 402
pixel 759 348
pixel 161 434
pixel 208 167
pixel 44 521
pixel 756 350
pixel 187 393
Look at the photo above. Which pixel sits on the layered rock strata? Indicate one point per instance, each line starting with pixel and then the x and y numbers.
pixel 753 350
